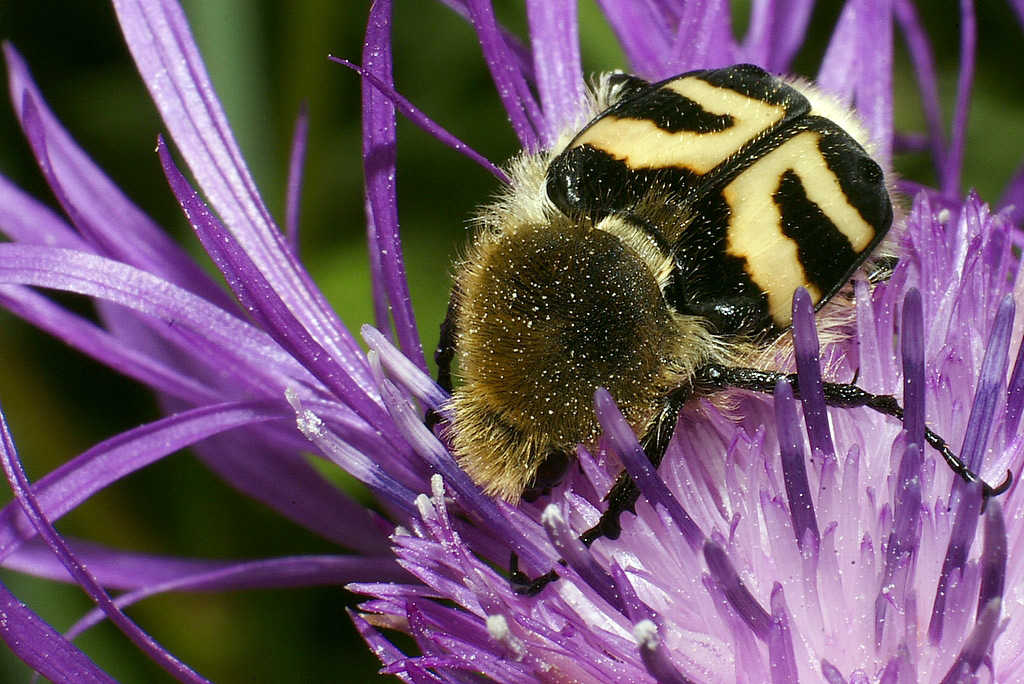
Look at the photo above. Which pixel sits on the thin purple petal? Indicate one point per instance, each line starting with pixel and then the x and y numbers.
pixel 639 467
pixel 808 369
pixel 926 76
pixel 523 112
pixel 576 554
pixel 912 348
pixel 831 673
pixel 262 301
pixel 739 597
pixel 703 38
pixel 655 656
pixel 1013 196
pixel 158 37
pixel 379 137
pixel 42 647
pixel 990 386
pixel 119 354
pixel 296 164
pixel 902 544
pixel 798 491
pixel 110 223
pixel 554 39
pixel 643 34
pixel 977 647
pixel 271 573
pixel 424 122
pixel 63 489
pixel 25 219
pixel 776 32
pixel 1014 398
pixel 993 556
pixel 965 525
pixel 26 498
pixel 949 177
pixel 781 658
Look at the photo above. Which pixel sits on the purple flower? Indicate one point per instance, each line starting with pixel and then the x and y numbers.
pixel 777 542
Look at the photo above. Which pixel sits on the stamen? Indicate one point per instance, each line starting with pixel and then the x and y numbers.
pixel 577 556
pixel 654 657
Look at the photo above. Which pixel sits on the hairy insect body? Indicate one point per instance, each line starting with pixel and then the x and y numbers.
pixel 576 307
pixel 666 237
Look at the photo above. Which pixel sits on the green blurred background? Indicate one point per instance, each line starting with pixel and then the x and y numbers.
pixel 265 57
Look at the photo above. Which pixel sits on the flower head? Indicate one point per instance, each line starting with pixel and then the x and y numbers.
pixel 777 541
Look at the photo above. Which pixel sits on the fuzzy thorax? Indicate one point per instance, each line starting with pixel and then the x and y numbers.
pixel 547 313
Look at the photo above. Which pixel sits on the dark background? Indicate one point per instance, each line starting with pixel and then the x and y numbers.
pixel 265 56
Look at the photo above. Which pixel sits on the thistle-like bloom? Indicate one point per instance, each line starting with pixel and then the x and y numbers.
pixel 778 541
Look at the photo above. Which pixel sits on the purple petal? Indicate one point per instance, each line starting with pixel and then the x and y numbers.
pixel 965 525
pixel 739 597
pixel 117 353
pixel 287 483
pixel 381 647
pixel 1013 196
pixel 354 461
pixel 523 112
pixel 25 219
pixel 1014 398
pixel 993 557
pixel 949 177
pixel 904 539
pixel 831 673
pixel 42 647
pixel 912 347
pixel 639 467
pixel 403 371
pixel 26 498
pixel 206 331
pixel 114 568
pixel 409 423
pixel 636 609
pixel 109 221
pixel 263 302
pixel 977 647
pixel 643 34
pixel 271 573
pixel 654 655
pixel 424 122
pixel 296 164
pixel 391 289
pixel 808 369
pixel 576 554
pixel 167 58
pixel 798 491
pixel 704 38
pixel 776 32
pixel 990 386
pixel 857 67
pixel 927 80
pixel 63 489
pixel 554 39
pixel 781 658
